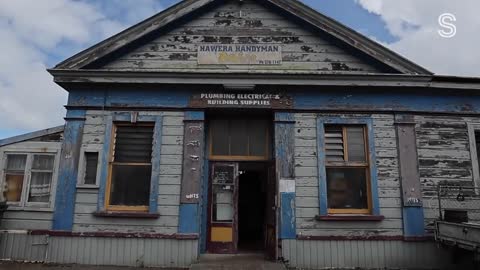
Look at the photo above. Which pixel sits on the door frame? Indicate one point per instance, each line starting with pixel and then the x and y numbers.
pixel 219 247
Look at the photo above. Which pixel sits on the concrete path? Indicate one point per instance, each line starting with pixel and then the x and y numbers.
pixel 236 262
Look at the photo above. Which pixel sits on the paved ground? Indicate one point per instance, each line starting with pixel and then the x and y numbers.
pixel 32 266
pixel 236 262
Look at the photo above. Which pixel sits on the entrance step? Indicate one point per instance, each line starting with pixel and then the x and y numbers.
pixel 236 262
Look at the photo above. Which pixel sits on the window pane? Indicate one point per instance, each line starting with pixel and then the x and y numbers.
pixel 258 137
pixel 239 138
pixel 43 162
pixel 130 185
pixel 16 162
pixel 356 144
pixel 133 144
pixel 219 130
pixel 14 176
pixel 347 188
pixel 223 174
pixel 223 203
pixel 40 185
pixel 14 185
pixel 334 143
pixel 91 164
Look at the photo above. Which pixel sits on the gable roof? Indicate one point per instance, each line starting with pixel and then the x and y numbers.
pixel 293 8
pixel 31 135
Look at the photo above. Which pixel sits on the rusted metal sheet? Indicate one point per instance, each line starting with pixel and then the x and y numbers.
pixel 192 161
pixel 241 100
pixel 239 54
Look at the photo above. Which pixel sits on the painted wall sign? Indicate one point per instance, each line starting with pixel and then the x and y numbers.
pixel 239 54
pixel 241 100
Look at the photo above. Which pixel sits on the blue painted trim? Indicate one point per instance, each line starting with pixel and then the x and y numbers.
pixel 413 221
pixel 67 175
pixel 195 116
pixel 321 159
pixel 287 217
pixel 284 117
pixel 127 117
pixel 104 163
pixel 156 155
pixel 322 171
pixel 205 198
pixel 76 114
pixel 188 218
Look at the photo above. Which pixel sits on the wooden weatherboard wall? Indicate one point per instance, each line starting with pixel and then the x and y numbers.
pixel 168 179
pixel 192 45
pixel 307 204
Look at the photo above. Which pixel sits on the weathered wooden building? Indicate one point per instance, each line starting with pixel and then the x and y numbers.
pixel 223 126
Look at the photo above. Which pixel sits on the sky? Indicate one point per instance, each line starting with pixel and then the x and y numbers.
pixel 38 34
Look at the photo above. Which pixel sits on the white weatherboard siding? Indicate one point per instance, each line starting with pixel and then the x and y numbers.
pixel 169 181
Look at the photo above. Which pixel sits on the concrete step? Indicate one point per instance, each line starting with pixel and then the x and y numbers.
pixel 236 262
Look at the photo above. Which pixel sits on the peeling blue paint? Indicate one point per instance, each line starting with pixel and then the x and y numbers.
pixel 287 216
pixel 156 155
pixel 68 172
pixel 413 222
pixel 188 218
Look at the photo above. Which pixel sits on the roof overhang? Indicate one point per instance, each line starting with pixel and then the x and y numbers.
pixel 67 78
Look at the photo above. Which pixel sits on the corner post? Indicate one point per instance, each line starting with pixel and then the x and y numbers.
pixel 413 216
pixel 193 163
pixel 68 171
pixel 285 167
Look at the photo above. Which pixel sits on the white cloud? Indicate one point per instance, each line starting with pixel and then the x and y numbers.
pixel 35 33
pixel 416 25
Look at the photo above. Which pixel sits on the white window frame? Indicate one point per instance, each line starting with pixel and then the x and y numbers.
pixel 24 204
pixel 472 127
pixel 82 167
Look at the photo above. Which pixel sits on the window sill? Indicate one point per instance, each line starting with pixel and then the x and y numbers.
pixel 13 207
pixel 127 215
pixel 88 187
pixel 349 218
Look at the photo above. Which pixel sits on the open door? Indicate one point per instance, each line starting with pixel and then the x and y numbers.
pixel 271 214
pixel 223 213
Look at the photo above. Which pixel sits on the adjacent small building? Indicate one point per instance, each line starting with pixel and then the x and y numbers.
pixel 227 126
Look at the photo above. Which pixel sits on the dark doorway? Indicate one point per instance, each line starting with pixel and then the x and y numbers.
pixel 252 207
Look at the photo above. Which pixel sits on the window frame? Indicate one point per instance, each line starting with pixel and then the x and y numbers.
pixel 268 146
pixel 24 204
pixel 472 128
pixel 82 167
pixel 371 168
pixel 111 163
pixel 106 156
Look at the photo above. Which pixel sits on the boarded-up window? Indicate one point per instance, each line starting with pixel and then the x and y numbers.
pixel 130 169
pixel 347 169
pixel 28 178
pixel 239 139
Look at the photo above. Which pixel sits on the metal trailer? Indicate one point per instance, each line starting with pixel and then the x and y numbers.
pixel 459 222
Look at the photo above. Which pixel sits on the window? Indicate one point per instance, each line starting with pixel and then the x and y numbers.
pixel 130 168
pixel 242 139
pixel 28 179
pixel 474 138
pixel 89 168
pixel 347 170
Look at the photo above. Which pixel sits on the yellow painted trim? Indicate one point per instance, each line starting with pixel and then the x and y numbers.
pixel 126 208
pixel 349 211
pixel 222 234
